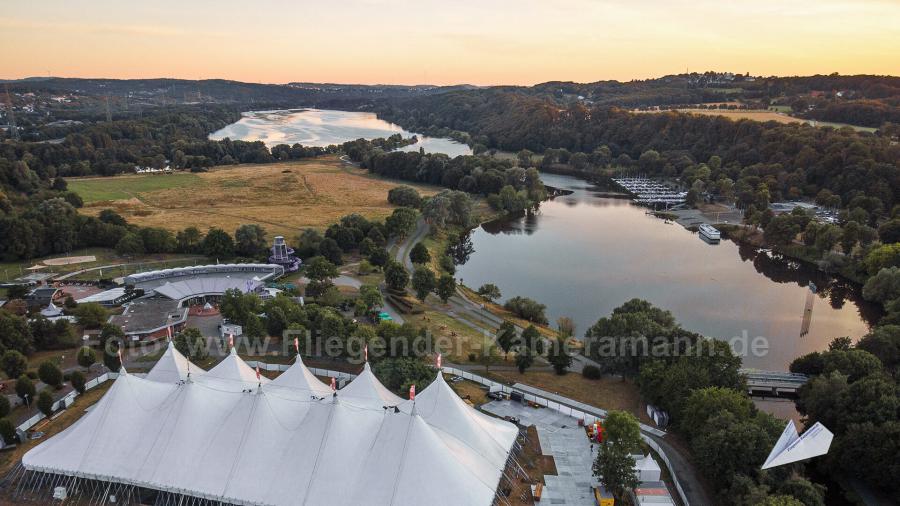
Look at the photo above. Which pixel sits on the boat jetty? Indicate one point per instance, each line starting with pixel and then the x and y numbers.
pixel 648 191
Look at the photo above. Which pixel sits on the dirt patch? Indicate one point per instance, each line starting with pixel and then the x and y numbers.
pixel 70 260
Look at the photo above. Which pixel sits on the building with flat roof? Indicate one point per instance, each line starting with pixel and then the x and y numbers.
pixel 148 319
pixel 205 283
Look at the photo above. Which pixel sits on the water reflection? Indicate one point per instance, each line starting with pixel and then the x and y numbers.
pixel 318 127
pixel 585 253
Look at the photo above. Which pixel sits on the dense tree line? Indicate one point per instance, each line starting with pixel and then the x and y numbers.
pixel 789 159
pixel 697 381
pixel 854 392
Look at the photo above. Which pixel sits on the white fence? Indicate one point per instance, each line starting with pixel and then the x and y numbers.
pixel 67 400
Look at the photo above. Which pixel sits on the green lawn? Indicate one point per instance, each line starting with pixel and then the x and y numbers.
pixel 99 189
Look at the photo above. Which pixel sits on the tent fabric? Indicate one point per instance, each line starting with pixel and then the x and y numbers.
pixel 233 374
pixel 276 445
pixel 173 367
pixel 299 377
pixel 366 388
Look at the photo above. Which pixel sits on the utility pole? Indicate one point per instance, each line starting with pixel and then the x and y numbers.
pixel 11 121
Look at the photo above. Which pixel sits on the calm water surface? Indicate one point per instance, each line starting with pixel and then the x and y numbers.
pixel 583 255
pixel 316 127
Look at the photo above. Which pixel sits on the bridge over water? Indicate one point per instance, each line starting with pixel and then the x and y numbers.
pixel 773 383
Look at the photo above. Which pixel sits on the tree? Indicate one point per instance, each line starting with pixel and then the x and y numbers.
pixel 191 343
pixel 559 358
pixel 379 257
pixel 423 282
pixel 86 357
pixel 566 326
pixel 405 196
pixel 614 465
pixel 91 315
pixel 45 402
pixel 419 254
pixel 188 240
pixel 395 276
pixel 401 222
pixel 489 292
pixel 532 339
pixel 371 297
pixel 883 257
pixel 705 403
pixel 506 337
pixel 524 358
pixel 332 252
pixel 50 374
pixel 7 431
pixel 320 269
pixel 884 286
pixel 15 333
pixel 78 381
pixel 5 407
pixel 111 338
pixel 523 158
pixel 446 287
pixel 781 230
pixel 250 240
pixel 889 231
pixel 13 363
pixel 217 244
pixel 25 389
pixel 130 244
pixel 526 308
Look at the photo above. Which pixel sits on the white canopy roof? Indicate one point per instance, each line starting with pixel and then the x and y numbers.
pixel 51 310
pixel 277 445
pixel 792 447
pixel 366 387
pixel 233 374
pixel 173 367
pixel 299 377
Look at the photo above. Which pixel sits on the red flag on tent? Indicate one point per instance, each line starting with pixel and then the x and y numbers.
pixel 439 361
pixel 412 392
pixel 366 352
pixel 231 340
pixel 257 372
pixel 119 353
pixel 297 345
pixel 169 332
pixel 333 384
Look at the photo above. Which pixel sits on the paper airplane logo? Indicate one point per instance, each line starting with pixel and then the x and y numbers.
pixel 792 447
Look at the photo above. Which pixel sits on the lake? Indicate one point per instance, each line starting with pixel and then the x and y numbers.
pixel 317 127
pixel 585 254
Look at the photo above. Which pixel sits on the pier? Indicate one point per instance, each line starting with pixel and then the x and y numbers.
pixel 648 191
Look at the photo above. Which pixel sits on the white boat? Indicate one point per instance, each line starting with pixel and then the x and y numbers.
pixel 710 232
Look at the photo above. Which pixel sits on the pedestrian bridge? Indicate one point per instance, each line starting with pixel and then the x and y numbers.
pixel 773 383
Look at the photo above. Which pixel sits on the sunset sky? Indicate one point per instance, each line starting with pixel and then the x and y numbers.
pixel 463 41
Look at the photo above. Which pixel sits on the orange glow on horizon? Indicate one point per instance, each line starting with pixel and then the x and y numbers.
pixel 478 42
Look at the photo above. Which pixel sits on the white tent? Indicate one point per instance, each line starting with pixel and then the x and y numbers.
pixel 173 367
pixel 792 447
pixel 367 388
pixel 269 447
pixel 647 469
pixel 51 310
pixel 299 377
pixel 233 374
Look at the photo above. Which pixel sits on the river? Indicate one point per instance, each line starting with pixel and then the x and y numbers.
pixel 317 127
pixel 585 254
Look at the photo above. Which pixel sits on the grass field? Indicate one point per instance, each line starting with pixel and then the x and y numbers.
pixel 284 198
pixel 756 115
pixel 102 256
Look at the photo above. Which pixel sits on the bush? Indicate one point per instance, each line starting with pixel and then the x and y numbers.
pixel 8 431
pixel 78 381
pixel 50 374
pixel 86 357
pixel 526 308
pixel 13 363
pixel 25 387
pixel 5 407
pixel 405 196
pixel 592 372
pixel 45 402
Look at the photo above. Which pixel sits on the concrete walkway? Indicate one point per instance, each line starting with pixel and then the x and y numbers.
pixel 562 438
